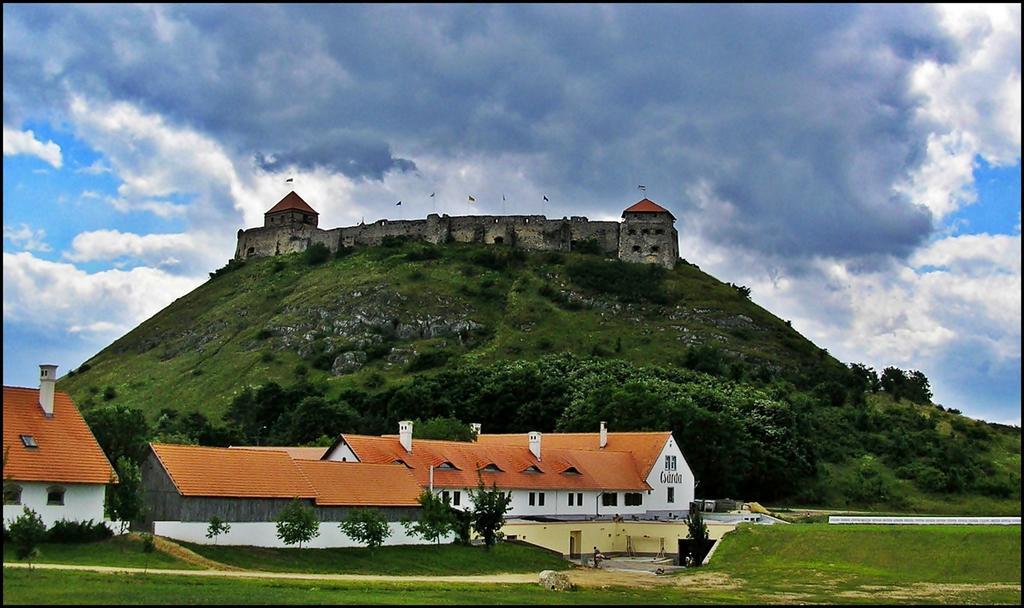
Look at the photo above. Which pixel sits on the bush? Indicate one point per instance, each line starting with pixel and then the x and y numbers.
pixel 27 532
pixel 393 241
pixel 232 265
pixel 109 393
pixel 70 532
pixel 343 252
pixel 318 253
pixel 264 333
pixel 423 252
pixel 591 246
pixel 428 360
pixel 627 282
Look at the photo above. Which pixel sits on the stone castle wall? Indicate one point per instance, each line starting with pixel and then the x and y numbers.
pixel 531 232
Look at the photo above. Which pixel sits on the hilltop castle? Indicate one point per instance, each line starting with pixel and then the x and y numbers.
pixel 645 235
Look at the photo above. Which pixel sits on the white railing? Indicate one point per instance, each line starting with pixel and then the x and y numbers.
pixel 955 521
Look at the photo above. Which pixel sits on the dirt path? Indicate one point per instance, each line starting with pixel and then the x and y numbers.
pixel 187 555
pixel 584 577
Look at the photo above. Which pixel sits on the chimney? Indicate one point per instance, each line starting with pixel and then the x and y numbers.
pixel 535 443
pixel 476 428
pixel 47 380
pixel 405 434
pixel 604 434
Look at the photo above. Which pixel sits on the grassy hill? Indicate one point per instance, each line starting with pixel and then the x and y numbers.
pixel 414 306
pixel 295 349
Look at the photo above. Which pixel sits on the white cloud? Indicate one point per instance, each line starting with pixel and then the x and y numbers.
pixel 58 296
pixel 106 245
pixel 96 168
pixel 972 104
pixel 25 142
pixel 24 237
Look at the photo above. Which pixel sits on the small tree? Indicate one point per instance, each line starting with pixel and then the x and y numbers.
pixel 217 527
pixel 489 508
pixel 297 523
pixel 125 500
pixel 367 526
pixel 436 518
pixel 27 532
pixel 148 547
pixel 699 533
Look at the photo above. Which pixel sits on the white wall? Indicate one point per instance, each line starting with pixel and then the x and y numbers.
pixel 82 502
pixel 556 503
pixel 658 499
pixel 264 534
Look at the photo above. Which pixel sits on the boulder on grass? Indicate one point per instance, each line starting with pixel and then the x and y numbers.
pixel 555 581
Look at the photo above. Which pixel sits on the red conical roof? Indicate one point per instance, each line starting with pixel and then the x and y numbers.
pixel 647 206
pixel 292 202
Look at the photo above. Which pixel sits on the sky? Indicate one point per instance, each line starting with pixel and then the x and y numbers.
pixel 858 167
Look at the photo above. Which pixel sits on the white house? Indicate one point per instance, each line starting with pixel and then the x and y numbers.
pixel 556 475
pixel 52 462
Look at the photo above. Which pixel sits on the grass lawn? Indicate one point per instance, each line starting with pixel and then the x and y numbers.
pixel 409 559
pixel 116 551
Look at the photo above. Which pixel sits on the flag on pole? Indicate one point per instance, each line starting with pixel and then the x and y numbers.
pixel 432 194
pixel 472 200
pixel 289 180
pixel 642 188
pixel 398 203
pixel 546 198
pixel 503 198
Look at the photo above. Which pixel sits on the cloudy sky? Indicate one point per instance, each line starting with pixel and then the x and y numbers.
pixel 857 166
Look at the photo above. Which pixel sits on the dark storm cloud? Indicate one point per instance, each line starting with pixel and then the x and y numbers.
pixel 798 116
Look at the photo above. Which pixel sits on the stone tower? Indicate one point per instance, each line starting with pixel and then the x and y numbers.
pixel 648 235
pixel 290 210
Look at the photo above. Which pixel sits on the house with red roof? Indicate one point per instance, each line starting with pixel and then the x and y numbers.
pixel 52 462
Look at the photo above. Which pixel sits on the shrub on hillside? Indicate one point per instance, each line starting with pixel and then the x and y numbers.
pixel 64 531
pixel 318 253
pixel 627 282
pixel 427 360
pixel 591 246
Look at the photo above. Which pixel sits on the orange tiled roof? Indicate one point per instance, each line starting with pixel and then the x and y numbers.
pixel 644 446
pixel 351 483
pixel 202 471
pixel 647 206
pixel 239 472
pixel 291 202
pixel 67 452
pixel 598 470
pixel 297 453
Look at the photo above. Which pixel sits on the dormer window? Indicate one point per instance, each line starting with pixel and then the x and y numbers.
pixel 447 466
pixel 572 471
pixel 492 468
pixel 532 469
pixel 29 441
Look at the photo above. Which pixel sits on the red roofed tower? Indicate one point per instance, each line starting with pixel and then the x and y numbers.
pixel 648 235
pixel 290 210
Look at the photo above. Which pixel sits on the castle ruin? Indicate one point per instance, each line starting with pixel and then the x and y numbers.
pixel 645 235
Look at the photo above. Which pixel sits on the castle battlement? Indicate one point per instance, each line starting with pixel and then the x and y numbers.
pixel 646 234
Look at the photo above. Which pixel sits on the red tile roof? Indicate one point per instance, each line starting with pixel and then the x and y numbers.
pixel 297 453
pixel 272 473
pixel 67 451
pixel 647 206
pixel 645 447
pixel 291 202
pixel 599 470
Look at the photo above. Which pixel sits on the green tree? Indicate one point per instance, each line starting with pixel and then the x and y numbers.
pixel 148 547
pixel 318 253
pixel 366 526
pixel 436 518
pixel 297 523
pixel 440 427
pixel 489 508
pixel 125 500
pixel 120 431
pixel 698 531
pixel 217 527
pixel 27 532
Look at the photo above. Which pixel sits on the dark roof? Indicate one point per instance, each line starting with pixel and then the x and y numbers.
pixel 291 202
pixel 647 206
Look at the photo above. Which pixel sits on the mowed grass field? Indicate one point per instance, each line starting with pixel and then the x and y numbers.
pixel 123 551
pixel 431 560
pixel 755 565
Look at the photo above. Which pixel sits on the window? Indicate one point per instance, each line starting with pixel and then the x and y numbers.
pixel 645 231
pixel 540 499
pixel 532 469
pixel 655 249
pixel 491 468
pixel 670 463
pixel 610 499
pixel 533 498
pixel 633 499
pixel 445 496
pixel 673 463
pixel 498 240
pixel 671 495
pixel 55 496
pixel 636 248
pixel 458 498
pixel 447 466
pixel 572 500
pixel 579 499
pixel 12 494
pixel 29 441
pixel 572 471
pixel 659 231
pixel 632 231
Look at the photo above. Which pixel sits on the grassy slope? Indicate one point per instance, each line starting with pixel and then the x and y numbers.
pixel 117 551
pixel 754 565
pixel 432 560
pixel 198 352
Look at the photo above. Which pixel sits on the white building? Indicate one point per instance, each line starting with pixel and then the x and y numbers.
pixel 52 462
pixel 556 475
